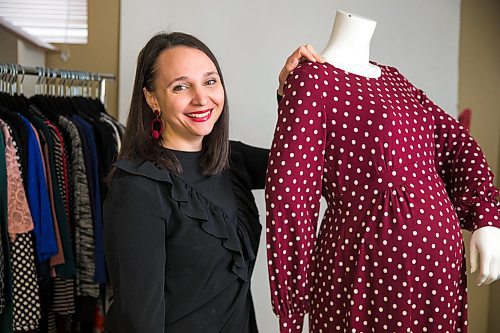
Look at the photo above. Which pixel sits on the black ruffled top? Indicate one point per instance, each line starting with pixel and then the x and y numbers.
pixel 181 249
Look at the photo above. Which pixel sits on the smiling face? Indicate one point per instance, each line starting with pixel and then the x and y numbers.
pixel 189 93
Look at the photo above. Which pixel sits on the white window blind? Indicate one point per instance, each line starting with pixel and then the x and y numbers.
pixel 53 21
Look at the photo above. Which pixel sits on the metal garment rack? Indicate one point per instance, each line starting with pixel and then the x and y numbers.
pixel 66 74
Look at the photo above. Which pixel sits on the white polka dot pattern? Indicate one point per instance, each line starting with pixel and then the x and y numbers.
pixel 400 178
pixel 26 313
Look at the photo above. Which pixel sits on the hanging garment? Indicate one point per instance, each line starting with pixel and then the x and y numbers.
pixel 16 128
pixel 3 226
pixel 83 228
pixel 93 174
pixel 38 199
pixel 25 295
pixel 26 310
pixel 51 148
pixel 64 187
pixel 18 213
pixel 400 178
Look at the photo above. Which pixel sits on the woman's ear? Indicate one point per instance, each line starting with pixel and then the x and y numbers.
pixel 151 99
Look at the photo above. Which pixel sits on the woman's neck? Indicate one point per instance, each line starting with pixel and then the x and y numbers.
pixel 349 45
pixel 180 144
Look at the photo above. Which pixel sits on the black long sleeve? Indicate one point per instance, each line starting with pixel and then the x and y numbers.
pixel 255 161
pixel 134 232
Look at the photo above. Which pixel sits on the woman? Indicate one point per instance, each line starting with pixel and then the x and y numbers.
pixel 181 225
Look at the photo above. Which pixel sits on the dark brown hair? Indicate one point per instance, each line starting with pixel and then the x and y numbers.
pixel 137 140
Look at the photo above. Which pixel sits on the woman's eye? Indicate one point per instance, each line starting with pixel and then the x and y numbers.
pixel 179 88
pixel 211 82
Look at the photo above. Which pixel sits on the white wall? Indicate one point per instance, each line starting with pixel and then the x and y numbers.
pixel 8 51
pixel 17 51
pixel 252 39
pixel 29 55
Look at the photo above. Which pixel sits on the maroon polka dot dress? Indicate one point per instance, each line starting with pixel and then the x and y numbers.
pixel 400 178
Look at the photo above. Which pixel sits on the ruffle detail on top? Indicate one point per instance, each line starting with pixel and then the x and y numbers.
pixel 239 235
pixel 247 216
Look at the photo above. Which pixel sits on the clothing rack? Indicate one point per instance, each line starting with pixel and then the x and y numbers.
pixel 9 74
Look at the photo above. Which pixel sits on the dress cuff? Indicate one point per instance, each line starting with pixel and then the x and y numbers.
pixel 486 214
pixel 292 324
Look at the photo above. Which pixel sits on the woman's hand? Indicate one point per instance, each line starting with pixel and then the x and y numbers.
pixel 305 52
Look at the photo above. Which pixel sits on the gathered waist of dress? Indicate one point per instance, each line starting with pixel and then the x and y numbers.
pixel 386 181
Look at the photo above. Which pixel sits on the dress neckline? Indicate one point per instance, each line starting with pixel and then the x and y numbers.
pixel 360 76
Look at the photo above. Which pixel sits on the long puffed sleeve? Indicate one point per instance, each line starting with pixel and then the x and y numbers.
pixel 464 170
pixel 134 236
pixel 293 193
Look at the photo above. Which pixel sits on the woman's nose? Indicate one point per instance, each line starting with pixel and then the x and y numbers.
pixel 200 96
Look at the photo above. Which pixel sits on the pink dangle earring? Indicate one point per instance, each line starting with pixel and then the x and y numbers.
pixel 156 125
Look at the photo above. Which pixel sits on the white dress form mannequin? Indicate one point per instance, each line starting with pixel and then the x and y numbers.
pixel 349 45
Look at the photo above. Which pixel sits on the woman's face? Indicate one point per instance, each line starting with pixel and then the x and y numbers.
pixel 189 93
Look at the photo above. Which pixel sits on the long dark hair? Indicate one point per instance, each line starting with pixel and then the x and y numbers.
pixel 137 140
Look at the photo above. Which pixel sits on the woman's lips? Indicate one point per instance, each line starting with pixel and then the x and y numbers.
pixel 200 116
